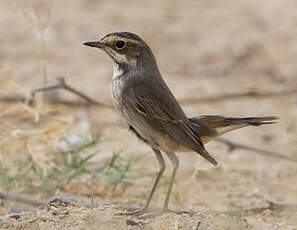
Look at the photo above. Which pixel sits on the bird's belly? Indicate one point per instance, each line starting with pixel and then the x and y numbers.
pixel 156 138
pixel 153 137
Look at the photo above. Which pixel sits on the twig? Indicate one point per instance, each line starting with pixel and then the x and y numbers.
pixel 185 101
pixel 198 225
pixel 232 146
pixel 22 199
pixel 237 96
pixel 271 206
pixel 62 85
pixel 52 101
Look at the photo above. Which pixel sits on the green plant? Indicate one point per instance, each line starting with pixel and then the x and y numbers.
pixel 10 180
pixel 34 178
pixel 73 166
pixel 74 163
pixel 117 171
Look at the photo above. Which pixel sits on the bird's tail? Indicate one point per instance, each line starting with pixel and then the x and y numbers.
pixel 211 126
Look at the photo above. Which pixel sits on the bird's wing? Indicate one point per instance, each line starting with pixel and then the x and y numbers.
pixel 161 110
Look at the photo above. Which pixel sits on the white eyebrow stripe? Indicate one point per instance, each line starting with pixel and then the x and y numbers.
pixel 113 38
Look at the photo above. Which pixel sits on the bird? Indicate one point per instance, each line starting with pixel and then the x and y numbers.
pixel 152 113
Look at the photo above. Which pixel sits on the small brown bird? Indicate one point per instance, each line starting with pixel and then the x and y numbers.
pixel 145 102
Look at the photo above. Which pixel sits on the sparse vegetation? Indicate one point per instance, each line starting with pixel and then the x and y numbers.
pixel 116 172
pixel 32 177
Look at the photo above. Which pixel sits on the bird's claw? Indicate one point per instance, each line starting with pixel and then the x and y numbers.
pixel 146 213
pixel 136 212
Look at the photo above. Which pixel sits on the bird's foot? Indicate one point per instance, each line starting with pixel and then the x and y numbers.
pixel 146 213
pixel 160 212
pixel 134 212
pixel 167 210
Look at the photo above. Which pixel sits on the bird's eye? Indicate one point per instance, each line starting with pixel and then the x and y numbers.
pixel 120 44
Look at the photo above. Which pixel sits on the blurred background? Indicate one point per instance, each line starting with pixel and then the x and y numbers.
pixel 231 58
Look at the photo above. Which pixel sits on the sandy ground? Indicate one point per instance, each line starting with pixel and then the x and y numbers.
pixel 203 48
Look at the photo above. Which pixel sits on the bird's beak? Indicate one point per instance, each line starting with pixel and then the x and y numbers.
pixel 97 44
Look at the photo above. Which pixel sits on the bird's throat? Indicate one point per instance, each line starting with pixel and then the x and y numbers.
pixel 117 70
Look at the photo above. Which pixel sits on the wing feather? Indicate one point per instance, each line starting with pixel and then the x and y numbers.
pixel 162 112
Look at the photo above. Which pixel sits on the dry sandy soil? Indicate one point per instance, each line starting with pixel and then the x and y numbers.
pixel 204 48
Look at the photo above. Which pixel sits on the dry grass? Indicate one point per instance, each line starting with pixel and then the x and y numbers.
pixel 39 19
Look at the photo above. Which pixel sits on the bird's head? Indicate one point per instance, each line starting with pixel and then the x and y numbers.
pixel 127 50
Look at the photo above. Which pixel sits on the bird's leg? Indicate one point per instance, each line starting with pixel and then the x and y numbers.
pixel 162 167
pixel 175 163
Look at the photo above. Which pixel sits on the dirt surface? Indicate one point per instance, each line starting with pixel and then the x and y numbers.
pixel 203 48
pixel 61 213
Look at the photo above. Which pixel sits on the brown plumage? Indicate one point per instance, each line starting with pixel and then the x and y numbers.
pixel 145 102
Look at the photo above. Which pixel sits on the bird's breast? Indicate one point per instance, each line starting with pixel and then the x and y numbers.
pixel 116 93
pixel 119 95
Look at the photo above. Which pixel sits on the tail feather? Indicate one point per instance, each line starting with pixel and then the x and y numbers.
pixel 212 126
pixel 255 121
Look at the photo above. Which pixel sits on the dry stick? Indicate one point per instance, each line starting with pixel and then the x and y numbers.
pixel 198 225
pixel 22 199
pixel 52 101
pixel 209 99
pixel 212 99
pixel 62 85
pixel 185 101
pixel 271 206
pixel 237 96
pixel 232 146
